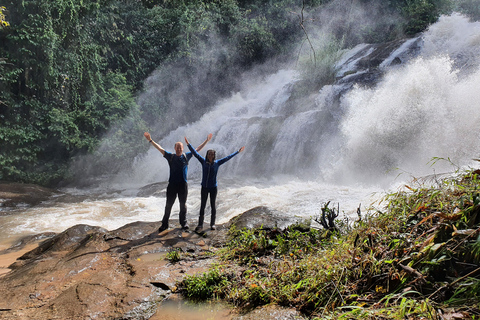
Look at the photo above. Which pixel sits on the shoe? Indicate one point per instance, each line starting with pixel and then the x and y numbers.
pixel 162 228
pixel 212 228
pixel 198 229
pixel 185 227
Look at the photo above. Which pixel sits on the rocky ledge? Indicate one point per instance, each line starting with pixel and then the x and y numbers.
pixel 23 195
pixel 88 272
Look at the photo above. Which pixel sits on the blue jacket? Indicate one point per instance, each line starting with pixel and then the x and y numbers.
pixel 210 170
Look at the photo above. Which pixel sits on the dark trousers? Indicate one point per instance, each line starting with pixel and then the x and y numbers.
pixel 172 191
pixel 213 197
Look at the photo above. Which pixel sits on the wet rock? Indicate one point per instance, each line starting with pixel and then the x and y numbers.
pixel 67 240
pixel 367 65
pixel 266 218
pixel 134 231
pixel 160 285
pixel 32 239
pixel 154 189
pixel 14 195
pixel 88 272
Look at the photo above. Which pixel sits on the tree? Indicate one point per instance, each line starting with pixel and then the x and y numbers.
pixel 59 97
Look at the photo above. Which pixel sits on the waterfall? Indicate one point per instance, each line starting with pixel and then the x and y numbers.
pixel 425 109
pixel 422 106
pixel 345 143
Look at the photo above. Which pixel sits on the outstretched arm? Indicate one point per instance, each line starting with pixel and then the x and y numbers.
pixel 223 160
pixel 195 153
pixel 200 147
pixel 156 145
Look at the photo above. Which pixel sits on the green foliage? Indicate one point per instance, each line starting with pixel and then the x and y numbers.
pixel 248 244
pixel 57 86
pixel 418 258
pixel 303 263
pixel 254 41
pixel 467 292
pixel 174 255
pixel 204 286
pixel 419 14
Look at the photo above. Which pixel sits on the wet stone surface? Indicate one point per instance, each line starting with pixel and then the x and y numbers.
pixel 13 195
pixel 88 272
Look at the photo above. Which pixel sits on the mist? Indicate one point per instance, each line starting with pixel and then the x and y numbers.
pixel 414 115
pixel 336 132
pixel 422 111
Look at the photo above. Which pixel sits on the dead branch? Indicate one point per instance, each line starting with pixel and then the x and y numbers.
pixel 302 20
pixel 327 219
pixel 411 271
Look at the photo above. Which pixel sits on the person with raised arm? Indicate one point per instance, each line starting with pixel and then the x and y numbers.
pixel 209 181
pixel 177 181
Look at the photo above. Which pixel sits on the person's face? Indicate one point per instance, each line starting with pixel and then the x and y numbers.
pixel 178 148
pixel 210 156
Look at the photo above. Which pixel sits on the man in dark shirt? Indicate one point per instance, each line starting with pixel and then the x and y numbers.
pixel 177 181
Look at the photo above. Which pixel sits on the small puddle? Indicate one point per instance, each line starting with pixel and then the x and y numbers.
pixel 149 257
pixel 177 309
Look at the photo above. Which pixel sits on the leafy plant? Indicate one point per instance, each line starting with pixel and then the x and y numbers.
pixel 174 255
pixel 204 286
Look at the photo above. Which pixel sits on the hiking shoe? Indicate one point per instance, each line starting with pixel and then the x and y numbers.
pixel 162 228
pixel 185 227
pixel 212 228
pixel 198 229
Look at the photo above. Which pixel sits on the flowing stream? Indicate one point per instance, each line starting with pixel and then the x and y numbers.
pixel 347 144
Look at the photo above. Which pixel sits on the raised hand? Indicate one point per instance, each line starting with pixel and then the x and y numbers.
pixel 147 135
pixel 200 147
pixel 241 149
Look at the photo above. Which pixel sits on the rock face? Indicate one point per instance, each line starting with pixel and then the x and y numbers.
pixel 264 217
pixel 88 272
pixel 21 194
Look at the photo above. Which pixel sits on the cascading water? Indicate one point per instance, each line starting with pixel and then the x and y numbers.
pixel 339 144
pixel 426 108
pixel 420 109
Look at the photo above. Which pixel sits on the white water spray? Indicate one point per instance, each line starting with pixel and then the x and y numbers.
pixel 426 109
pixel 300 155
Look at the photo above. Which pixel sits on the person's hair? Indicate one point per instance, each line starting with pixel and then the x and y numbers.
pixel 214 154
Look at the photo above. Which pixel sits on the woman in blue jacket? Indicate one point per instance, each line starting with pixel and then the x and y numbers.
pixel 209 181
